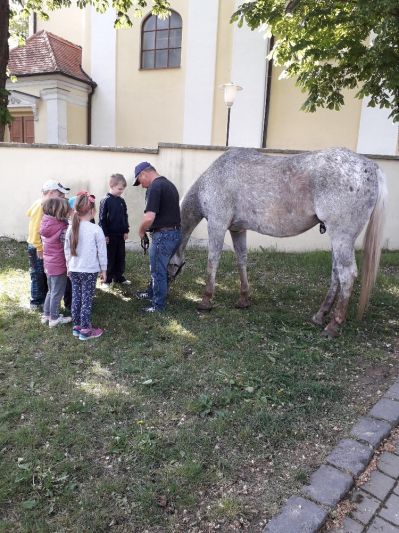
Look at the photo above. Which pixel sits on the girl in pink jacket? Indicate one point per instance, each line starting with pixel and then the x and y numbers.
pixel 52 230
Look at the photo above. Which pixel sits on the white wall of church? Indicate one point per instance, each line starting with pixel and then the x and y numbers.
pixel 90 168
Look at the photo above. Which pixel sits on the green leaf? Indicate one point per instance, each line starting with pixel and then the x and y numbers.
pixel 29 504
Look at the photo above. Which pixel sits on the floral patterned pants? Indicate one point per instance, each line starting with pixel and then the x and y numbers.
pixel 83 288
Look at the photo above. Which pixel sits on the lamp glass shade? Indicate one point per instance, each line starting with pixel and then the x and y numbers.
pixel 230 92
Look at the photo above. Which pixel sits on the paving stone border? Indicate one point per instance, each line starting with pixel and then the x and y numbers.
pixel 334 479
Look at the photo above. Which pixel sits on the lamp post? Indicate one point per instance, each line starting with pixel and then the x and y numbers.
pixel 230 92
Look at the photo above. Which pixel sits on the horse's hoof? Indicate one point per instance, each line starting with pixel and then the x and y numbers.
pixel 242 304
pixel 329 333
pixel 203 306
pixel 316 320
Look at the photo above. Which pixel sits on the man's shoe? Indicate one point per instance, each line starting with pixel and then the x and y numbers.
pixel 143 295
pixel 59 321
pixel 105 286
pixel 151 309
pixel 91 333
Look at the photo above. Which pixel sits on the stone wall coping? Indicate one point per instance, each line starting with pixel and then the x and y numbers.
pixel 177 146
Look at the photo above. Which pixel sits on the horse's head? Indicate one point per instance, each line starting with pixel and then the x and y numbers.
pixel 175 266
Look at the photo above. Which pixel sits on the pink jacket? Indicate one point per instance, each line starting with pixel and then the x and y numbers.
pixel 52 232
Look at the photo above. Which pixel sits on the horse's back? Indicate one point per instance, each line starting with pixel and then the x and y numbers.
pixel 262 192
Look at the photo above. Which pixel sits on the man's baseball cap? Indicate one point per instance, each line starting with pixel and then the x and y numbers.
pixel 138 169
pixel 52 185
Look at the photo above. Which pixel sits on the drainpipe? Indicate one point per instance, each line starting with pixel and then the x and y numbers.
pixel 89 108
pixel 268 83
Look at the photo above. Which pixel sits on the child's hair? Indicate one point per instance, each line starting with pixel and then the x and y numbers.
pixel 84 203
pixel 117 178
pixel 56 207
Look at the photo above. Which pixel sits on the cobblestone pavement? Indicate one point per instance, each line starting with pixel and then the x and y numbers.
pixel 374 505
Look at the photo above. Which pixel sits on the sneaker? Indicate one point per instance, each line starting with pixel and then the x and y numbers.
pixel 91 333
pixel 76 331
pixel 36 307
pixel 143 295
pixel 105 286
pixel 151 309
pixel 44 319
pixel 59 321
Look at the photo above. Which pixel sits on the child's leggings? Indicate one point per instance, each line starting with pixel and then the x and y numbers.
pixel 56 289
pixel 83 287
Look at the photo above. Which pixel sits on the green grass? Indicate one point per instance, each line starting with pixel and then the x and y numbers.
pixel 183 421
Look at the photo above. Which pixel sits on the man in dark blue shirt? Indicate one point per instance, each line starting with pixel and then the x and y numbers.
pixel 162 218
pixel 114 222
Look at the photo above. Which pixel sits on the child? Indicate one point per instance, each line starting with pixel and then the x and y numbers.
pixel 114 222
pixel 86 256
pixel 50 189
pixel 52 230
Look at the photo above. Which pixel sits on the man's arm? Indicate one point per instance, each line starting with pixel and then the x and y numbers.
pixel 146 222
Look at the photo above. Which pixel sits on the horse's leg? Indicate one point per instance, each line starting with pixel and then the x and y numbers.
pixel 344 256
pixel 326 306
pixel 239 239
pixel 216 235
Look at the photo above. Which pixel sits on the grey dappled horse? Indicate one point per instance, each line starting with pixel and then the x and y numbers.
pixel 245 189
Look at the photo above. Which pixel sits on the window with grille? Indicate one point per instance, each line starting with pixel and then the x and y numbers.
pixel 161 42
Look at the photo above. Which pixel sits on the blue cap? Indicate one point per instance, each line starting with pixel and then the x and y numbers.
pixel 138 169
pixel 71 202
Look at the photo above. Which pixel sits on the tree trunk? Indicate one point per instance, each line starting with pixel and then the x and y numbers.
pixel 4 54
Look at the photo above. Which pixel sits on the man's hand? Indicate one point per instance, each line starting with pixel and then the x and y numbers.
pixel 39 254
pixel 146 222
pixel 125 236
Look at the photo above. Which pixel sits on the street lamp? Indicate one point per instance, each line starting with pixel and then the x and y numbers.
pixel 230 92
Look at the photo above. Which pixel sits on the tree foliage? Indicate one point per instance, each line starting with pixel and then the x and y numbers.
pixel 12 15
pixel 332 45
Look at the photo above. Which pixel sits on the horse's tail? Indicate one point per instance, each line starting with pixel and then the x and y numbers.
pixel 372 246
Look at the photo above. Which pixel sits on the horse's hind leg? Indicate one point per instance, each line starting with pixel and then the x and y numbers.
pixel 326 306
pixel 345 261
pixel 215 246
pixel 239 239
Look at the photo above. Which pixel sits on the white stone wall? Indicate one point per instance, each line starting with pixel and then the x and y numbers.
pixel 89 168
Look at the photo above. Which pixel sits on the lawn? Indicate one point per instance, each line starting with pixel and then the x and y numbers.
pixel 182 422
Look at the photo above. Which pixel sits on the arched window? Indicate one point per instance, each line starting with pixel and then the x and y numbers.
pixel 161 42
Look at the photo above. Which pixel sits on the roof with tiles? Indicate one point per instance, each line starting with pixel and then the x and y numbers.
pixel 46 53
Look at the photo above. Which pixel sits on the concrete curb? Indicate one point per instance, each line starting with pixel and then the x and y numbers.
pixel 334 479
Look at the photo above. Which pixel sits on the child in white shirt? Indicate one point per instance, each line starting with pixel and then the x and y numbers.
pixel 86 256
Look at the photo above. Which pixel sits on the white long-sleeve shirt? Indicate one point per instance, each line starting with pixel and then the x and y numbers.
pixel 91 250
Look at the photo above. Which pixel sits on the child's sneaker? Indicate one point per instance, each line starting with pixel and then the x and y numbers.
pixel 91 333
pixel 44 319
pixel 76 331
pixel 59 321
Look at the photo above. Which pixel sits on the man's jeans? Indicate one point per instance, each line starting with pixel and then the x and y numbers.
pixel 38 288
pixel 163 246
